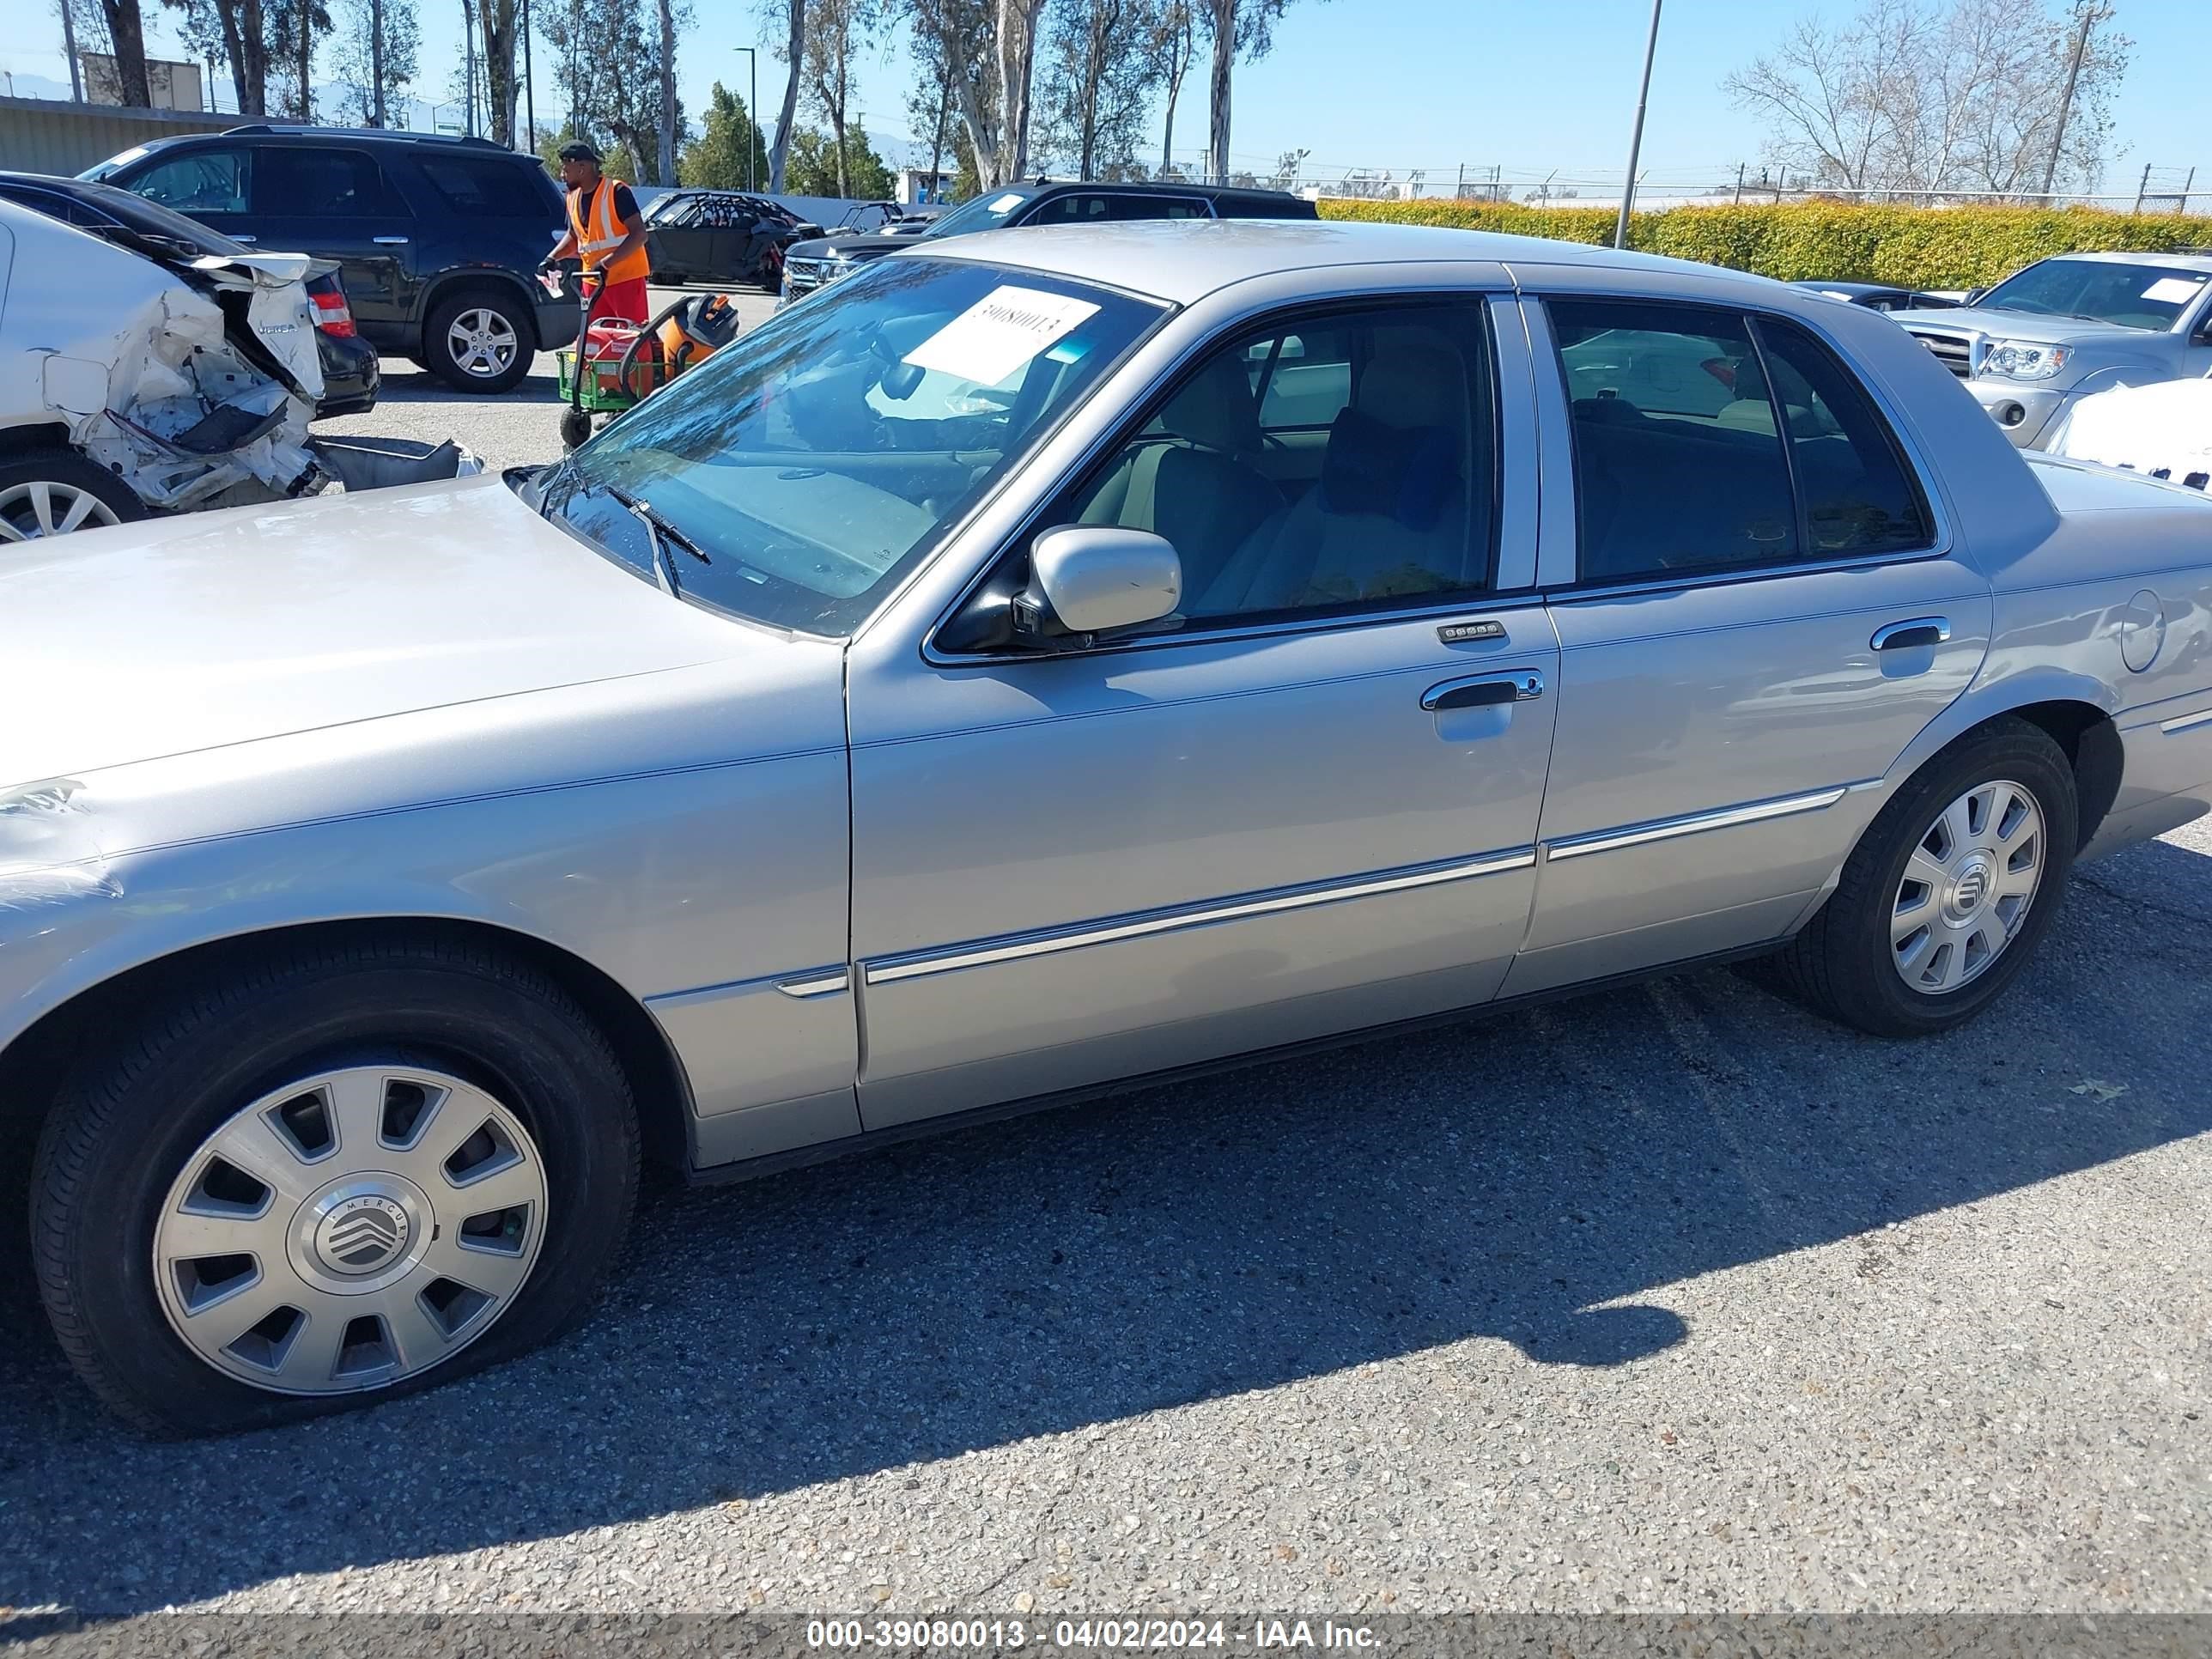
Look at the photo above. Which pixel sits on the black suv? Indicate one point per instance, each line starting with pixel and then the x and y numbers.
pixel 807 266
pixel 439 237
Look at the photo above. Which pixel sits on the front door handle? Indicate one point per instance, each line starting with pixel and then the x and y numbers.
pixel 1910 636
pixel 389 241
pixel 1481 691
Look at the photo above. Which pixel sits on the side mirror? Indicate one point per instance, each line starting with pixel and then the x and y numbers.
pixel 1973 296
pixel 1092 579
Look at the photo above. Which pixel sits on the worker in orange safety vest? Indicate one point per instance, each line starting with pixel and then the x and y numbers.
pixel 607 233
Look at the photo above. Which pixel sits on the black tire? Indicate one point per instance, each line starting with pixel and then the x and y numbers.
pixel 121 1132
pixel 1842 963
pixel 575 427
pixel 71 470
pixel 437 350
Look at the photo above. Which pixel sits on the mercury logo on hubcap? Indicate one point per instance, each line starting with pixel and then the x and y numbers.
pixel 361 1235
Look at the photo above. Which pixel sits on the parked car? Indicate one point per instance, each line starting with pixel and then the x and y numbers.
pixel 721 237
pixel 437 238
pixel 809 264
pixel 351 370
pixel 1878 296
pixel 2069 326
pixel 2162 430
pixel 999 656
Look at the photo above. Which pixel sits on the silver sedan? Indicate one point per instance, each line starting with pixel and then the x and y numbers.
pixel 1054 659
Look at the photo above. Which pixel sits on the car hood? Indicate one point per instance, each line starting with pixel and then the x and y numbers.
pixel 2019 325
pixel 152 640
pixel 860 245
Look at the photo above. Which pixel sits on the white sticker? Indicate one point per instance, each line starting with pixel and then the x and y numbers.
pixel 998 333
pixel 2174 290
pixel 1007 203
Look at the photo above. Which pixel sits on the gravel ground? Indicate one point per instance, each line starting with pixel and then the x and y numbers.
pixel 1675 1297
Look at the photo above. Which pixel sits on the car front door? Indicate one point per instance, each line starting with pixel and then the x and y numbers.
pixel 336 204
pixel 1308 804
pixel 1759 608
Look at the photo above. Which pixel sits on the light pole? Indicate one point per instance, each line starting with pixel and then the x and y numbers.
pixel 752 114
pixel 1636 135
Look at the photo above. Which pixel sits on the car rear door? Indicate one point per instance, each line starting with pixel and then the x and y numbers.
pixel 333 201
pixel 1308 804
pixel 1759 606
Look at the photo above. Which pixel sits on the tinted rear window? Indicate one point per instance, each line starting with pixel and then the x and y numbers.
pixel 482 189
pixel 1261 207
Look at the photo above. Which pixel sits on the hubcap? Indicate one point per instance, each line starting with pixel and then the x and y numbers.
pixel 350 1230
pixel 481 342
pixel 46 508
pixel 1968 887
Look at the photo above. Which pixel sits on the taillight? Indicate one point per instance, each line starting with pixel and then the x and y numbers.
pixel 333 315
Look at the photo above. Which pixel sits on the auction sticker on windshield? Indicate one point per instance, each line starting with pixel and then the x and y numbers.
pixel 2174 290
pixel 1000 333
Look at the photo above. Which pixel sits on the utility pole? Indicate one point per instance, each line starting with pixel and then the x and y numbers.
pixel 937 145
pixel 752 112
pixel 2089 15
pixel 1636 134
pixel 529 87
pixel 376 62
pixel 68 46
pixel 469 67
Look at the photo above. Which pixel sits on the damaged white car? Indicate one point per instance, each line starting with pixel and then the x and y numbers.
pixel 136 382
pixel 2163 430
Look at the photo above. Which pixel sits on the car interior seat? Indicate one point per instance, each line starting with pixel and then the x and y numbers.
pixel 1190 475
pixel 1390 513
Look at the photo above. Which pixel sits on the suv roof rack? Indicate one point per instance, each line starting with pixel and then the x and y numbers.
pixel 290 127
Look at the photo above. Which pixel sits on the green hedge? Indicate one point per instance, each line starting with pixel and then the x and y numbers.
pixel 1912 248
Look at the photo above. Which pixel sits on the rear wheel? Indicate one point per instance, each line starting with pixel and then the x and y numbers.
pixel 343 1176
pixel 1949 891
pixel 479 341
pixel 52 492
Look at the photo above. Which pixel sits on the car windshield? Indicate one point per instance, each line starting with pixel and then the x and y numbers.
pixel 986 212
pixel 806 468
pixel 122 159
pixel 2152 297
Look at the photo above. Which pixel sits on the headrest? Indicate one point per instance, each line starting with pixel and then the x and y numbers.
pixel 1215 409
pixel 1405 388
pixel 1391 471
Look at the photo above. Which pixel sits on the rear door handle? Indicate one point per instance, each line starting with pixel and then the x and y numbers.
pixel 1481 691
pixel 1910 636
pixel 389 241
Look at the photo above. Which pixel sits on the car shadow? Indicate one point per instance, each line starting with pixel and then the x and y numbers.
pixel 404 383
pixel 1531 1180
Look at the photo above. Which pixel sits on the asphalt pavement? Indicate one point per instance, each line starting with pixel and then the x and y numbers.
pixel 1675 1297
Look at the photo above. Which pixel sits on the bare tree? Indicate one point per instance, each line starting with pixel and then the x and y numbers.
pixel 1917 95
pixel 956 44
pixel 1098 80
pixel 126 34
pixel 791 17
pixel 1175 44
pixel 1018 22
pixel 1237 29
pixel 835 30
pixel 378 52
pixel 499 29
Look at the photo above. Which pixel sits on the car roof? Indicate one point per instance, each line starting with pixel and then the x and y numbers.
pixel 1183 260
pixel 2200 259
pixel 480 147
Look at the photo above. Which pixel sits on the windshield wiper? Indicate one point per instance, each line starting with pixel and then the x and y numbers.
pixel 663 534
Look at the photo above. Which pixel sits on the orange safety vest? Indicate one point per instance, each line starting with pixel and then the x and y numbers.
pixel 603 235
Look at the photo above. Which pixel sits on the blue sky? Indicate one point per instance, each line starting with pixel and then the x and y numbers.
pixel 1529 85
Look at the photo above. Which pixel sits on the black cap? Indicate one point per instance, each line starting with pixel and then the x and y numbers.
pixel 577 150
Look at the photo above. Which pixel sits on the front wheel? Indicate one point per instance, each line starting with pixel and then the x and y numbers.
pixel 344 1174
pixel 1949 891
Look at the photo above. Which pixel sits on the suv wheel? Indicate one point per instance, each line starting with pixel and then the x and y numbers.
pixel 50 492
pixel 479 342
pixel 345 1174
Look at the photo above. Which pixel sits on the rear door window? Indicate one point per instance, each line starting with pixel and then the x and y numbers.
pixel 1859 493
pixel 316 181
pixel 480 189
